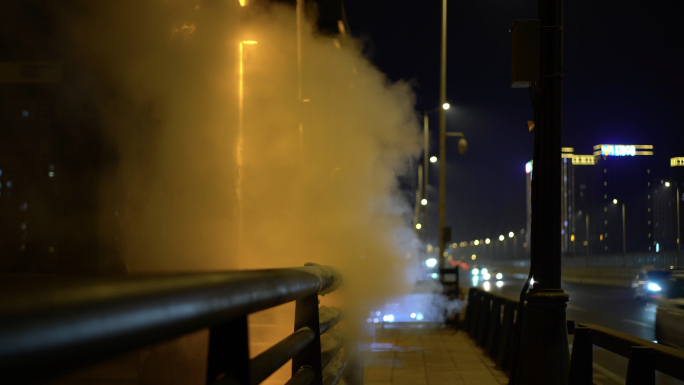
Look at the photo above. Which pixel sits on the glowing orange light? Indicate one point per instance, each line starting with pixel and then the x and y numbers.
pixel 243 3
pixel 249 42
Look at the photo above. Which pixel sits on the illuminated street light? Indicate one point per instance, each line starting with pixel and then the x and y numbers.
pixel 423 202
pixel 614 201
pixel 418 226
pixel 431 262
pixel 667 184
pixel 446 106
pixel 474 257
pixel 501 237
pixel 477 242
pixel 487 241
pixel 510 235
pixel 433 159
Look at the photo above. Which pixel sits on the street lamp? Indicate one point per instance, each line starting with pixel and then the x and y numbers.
pixel 433 159
pixel 423 202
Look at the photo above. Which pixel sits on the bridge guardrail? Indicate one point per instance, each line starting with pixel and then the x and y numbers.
pixel 645 357
pixel 490 321
pixel 57 328
pixel 494 332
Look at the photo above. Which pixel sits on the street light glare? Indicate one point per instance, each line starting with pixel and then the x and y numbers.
pixel 614 201
pixel 418 226
pixel 433 159
pixel 446 106
pixel 251 42
pixel 487 241
pixel 476 242
pixel 510 235
pixel 501 237
pixel 423 202
pixel 667 184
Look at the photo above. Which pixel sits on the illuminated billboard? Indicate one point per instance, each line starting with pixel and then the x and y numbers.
pixel 622 149
pixel 617 150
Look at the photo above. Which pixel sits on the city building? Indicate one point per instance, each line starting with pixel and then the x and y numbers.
pixel 615 202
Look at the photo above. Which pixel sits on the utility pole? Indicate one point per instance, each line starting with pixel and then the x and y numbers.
pixel 426 156
pixel 679 237
pixel 624 235
pixel 545 353
pixel 442 139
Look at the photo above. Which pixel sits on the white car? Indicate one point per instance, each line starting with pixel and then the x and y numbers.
pixel 669 326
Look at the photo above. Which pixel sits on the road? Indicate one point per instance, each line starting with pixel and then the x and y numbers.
pixel 612 307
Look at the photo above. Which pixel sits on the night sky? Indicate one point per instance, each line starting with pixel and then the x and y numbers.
pixel 622 85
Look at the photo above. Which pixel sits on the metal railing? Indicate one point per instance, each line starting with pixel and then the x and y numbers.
pixel 53 329
pixel 491 320
pixel 645 357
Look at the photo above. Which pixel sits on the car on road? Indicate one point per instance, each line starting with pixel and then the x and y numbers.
pixel 669 325
pixel 650 283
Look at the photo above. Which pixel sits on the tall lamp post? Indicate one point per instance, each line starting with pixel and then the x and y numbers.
pixel 442 136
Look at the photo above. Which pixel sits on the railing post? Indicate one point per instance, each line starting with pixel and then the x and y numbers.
pixel 477 303
pixel 469 309
pixel 494 327
pixel 485 310
pixel 641 367
pixel 581 370
pixel 229 352
pixel 306 315
pixel 503 351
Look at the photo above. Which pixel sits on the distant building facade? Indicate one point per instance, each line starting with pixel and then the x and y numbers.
pixel 612 201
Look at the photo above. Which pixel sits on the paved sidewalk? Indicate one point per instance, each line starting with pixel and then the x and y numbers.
pixel 427 354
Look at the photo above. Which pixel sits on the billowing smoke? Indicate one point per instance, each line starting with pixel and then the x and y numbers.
pixel 244 144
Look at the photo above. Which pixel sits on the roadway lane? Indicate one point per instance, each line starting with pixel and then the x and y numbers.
pixel 612 307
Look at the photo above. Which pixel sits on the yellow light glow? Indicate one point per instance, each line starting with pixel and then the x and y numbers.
pixel 433 159
pixel 446 106
pixel 678 161
pixel 477 242
pixel 423 201
pixel 418 226
pixel 250 42
pixel 667 184
pixel 601 237
pixel 474 257
pixel 501 237
pixel 243 2
pixel 572 238
pixel 614 201
pixel 511 234
pixel 487 241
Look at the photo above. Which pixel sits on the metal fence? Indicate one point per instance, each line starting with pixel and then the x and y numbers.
pixel 491 320
pixel 53 329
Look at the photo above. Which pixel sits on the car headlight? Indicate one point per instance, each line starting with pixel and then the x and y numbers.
pixel 499 276
pixel 476 271
pixel 654 287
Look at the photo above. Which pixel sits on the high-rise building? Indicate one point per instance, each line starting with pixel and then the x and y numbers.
pixel 614 202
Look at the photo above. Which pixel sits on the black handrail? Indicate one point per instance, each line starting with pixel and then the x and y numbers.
pixel 493 331
pixel 63 327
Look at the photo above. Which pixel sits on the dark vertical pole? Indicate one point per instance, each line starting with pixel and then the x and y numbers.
pixel 624 233
pixel 545 355
pixel 679 240
pixel 306 315
pixel 229 352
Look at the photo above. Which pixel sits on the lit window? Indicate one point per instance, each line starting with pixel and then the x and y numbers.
pixel 605 183
pixel 605 222
pixel 605 209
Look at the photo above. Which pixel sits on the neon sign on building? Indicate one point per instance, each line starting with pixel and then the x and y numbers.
pixel 617 150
